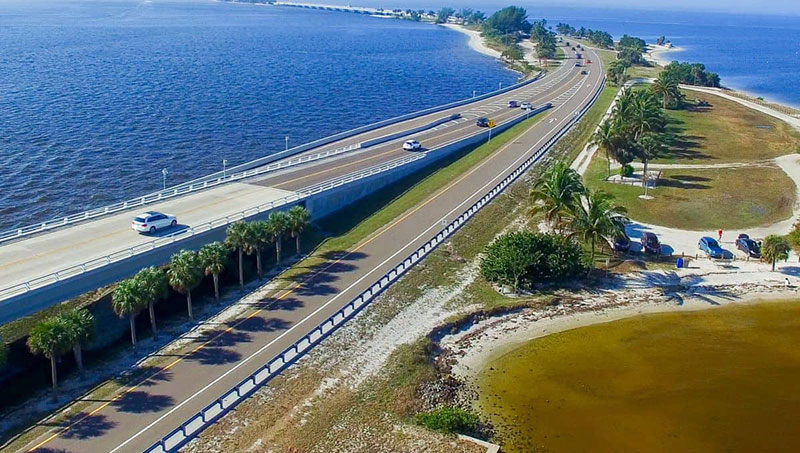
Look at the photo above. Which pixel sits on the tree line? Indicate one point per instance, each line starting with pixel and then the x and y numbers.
pixel 598 38
pixel 55 336
pixel 636 127
pixel 576 214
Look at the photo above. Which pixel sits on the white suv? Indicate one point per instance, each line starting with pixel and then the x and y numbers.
pixel 149 222
pixel 411 145
pixel 526 106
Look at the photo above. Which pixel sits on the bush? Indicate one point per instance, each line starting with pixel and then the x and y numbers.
pixel 521 259
pixel 450 420
pixel 626 171
pixel 794 236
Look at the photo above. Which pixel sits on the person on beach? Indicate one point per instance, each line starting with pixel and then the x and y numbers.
pixel 720 235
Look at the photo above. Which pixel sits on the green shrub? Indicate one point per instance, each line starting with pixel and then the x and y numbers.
pixel 448 419
pixel 794 236
pixel 626 171
pixel 521 259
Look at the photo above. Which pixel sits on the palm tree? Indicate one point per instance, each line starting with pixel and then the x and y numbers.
pixel 3 353
pixel 81 328
pixel 154 286
pixel 214 257
pixel 775 248
pixel 261 236
pixel 185 272
pixel 299 219
pixel 128 299
pixel 238 238
pixel 595 218
pixel 650 146
pixel 644 115
pixel 556 192
pixel 606 138
pixel 666 87
pixel 50 338
pixel 278 224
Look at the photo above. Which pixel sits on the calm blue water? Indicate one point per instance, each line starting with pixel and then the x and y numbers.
pixel 754 53
pixel 97 96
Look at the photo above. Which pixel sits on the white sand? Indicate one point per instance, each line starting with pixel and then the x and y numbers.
pixel 660 54
pixel 492 338
pixel 475 40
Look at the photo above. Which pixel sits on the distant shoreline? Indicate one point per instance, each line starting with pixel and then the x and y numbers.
pixel 658 54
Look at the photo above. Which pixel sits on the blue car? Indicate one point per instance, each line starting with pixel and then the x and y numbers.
pixel 711 247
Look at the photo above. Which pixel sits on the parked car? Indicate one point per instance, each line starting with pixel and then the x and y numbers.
pixel 482 122
pixel 622 243
pixel 411 145
pixel 573 48
pixel 650 243
pixel 526 106
pixel 588 61
pixel 513 104
pixel 748 246
pixel 566 43
pixel 711 247
pixel 577 65
pixel 151 221
pixel 584 72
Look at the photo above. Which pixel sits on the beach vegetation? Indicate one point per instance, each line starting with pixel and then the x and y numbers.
pixel 522 259
pixel 450 420
pixel 214 258
pixel 51 338
pixel 507 22
pixel 128 300
pixel 277 226
pixel 239 237
pixel 554 194
pixel 444 14
pixel 81 330
pixel 299 219
pixel 691 74
pixel 154 287
pixel 667 87
pixel 775 248
pixel 596 219
pixel 185 272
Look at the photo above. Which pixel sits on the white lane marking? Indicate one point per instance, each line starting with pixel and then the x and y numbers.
pixel 222 376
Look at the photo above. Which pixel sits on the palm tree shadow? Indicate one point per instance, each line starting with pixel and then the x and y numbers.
pixel 214 356
pixel 85 426
pixel 139 402
pixel 258 324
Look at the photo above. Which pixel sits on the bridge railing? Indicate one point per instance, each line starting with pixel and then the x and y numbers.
pixel 230 399
pixel 119 255
pixel 246 170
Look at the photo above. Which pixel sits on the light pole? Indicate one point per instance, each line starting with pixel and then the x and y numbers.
pixel 164 174
pixel 287 142
pixel 500 85
pixel 224 166
pixel 473 93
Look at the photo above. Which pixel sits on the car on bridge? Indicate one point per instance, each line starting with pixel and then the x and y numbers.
pixel 152 221
pixel 584 72
pixel 482 122
pixel 513 104
pixel 711 247
pixel 412 145
pixel 526 106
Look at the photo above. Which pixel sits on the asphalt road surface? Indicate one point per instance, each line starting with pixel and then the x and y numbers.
pixel 140 415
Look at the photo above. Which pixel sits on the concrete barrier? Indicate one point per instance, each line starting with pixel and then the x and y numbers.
pixel 390 137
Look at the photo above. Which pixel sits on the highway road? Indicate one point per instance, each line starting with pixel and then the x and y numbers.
pixel 43 254
pixel 141 414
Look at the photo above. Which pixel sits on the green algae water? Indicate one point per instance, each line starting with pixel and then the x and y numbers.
pixel 726 379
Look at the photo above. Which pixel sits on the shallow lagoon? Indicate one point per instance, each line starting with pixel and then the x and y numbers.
pixel 714 380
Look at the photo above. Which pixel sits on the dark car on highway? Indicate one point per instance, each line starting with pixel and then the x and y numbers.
pixel 650 244
pixel 513 104
pixel 482 122
pixel 748 246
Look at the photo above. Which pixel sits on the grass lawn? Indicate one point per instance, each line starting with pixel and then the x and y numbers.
pixel 636 72
pixel 726 132
pixel 727 198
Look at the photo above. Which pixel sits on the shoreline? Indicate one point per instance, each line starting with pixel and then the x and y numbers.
pixel 658 54
pixel 473 349
pixel 475 41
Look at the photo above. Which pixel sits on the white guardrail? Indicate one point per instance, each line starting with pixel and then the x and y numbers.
pixel 38 282
pixel 170 193
pixel 222 405
pixel 209 181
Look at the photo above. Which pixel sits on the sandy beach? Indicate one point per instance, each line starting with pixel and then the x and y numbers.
pixel 475 40
pixel 661 54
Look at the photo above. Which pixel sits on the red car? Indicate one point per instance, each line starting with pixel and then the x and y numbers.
pixel 588 61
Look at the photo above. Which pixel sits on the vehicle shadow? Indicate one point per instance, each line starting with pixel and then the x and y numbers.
pixel 167 231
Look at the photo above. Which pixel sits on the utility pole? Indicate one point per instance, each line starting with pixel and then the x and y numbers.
pixel 164 173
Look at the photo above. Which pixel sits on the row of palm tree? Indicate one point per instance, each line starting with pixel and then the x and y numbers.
pixel 667 87
pixel 187 268
pixel 634 130
pixel 574 211
pixel 56 335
